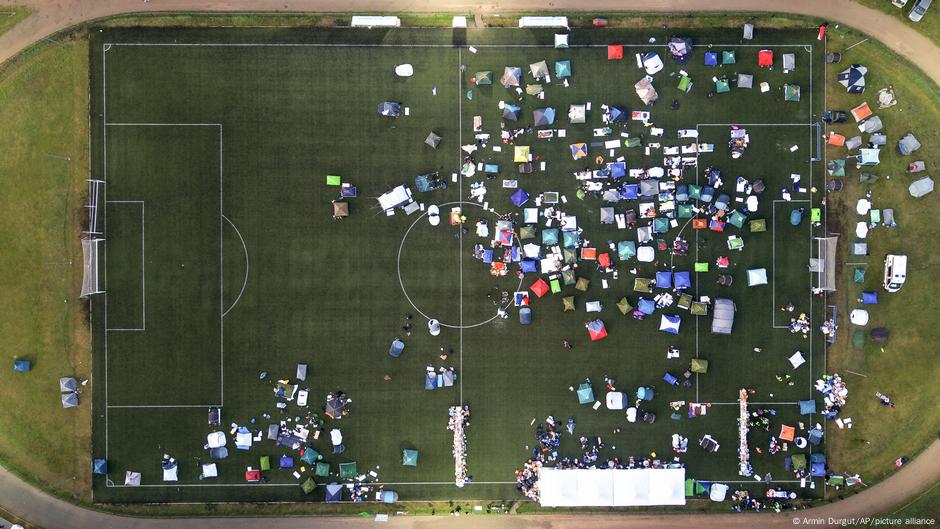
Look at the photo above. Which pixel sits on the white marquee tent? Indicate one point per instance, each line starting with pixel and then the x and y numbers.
pixel 611 487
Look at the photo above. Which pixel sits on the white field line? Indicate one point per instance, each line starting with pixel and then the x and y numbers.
pixel 245 282
pixel 351 45
pixel 460 198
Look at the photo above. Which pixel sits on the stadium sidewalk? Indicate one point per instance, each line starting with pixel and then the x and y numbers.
pixel 50 16
pixel 51 513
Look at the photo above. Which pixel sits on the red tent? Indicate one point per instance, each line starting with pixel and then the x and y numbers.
pixel 589 253
pixel 252 475
pixel 596 330
pixel 615 52
pixel 604 260
pixel 540 287
pixel 822 31
pixel 787 433
pixel 723 261
pixel 765 58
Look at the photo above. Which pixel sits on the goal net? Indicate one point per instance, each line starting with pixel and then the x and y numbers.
pixel 90 283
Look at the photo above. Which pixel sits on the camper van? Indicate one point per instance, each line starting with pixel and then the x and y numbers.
pixel 895 272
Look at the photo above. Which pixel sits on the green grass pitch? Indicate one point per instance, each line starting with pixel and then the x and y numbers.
pixel 223 259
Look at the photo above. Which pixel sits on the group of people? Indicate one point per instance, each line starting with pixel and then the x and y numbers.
pixel 744 502
pixel 800 324
pixel 458 421
pixel 834 393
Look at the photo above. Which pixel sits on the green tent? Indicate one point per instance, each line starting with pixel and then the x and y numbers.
pixel 265 463
pixel 684 211
pixel 660 225
pixel 310 456
pixel 569 239
pixel 758 225
pixel 323 469
pixel 333 180
pixel 483 78
pixel 685 301
pixel 642 284
pixel 527 232
pixel 836 167
pixel 815 215
pixel 701 267
pixel 694 488
pixel 626 250
pixel 685 83
pixel 866 178
pixel 698 308
pixel 791 92
pixel 555 285
pixel 409 458
pixel 308 486
pixel 582 284
pixel 533 89
pixel 568 302
pixel 735 243
pixel 347 470
pixel 695 191
pixel 585 393
pixel 798 461
pixel 568 277
pixel 562 69
pixel 859 275
pixel 699 365
pixel 631 142
pixel 727 57
pixel 721 85
pixel 836 481
pixel 737 219
pixel 624 305
pixel 858 340
pixel 569 255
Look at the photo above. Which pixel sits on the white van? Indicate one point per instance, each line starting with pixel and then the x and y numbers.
pixel 895 272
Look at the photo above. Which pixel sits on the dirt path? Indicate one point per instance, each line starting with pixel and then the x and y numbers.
pixel 50 16
pixel 50 513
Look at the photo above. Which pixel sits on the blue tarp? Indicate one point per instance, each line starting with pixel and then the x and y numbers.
pixel 682 280
pixel 617 170
pixel 646 306
pixel 711 58
pixel 870 298
pixel 550 236
pixel 663 279
pixel 519 197
pixel 390 109
pixel 22 366
pixel 807 407
pixel 99 467
pixel 630 191
pixel 487 256
pixel 529 265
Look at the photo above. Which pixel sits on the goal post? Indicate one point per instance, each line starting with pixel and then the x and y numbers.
pixel 95 188
pixel 90 283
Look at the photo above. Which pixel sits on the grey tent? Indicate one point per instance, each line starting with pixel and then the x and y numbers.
pixel 722 316
pixel 611 195
pixel 335 408
pixel 539 69
pixel 921 187
pixel 872 124
pixel 745 80
pixel 67 385
pixel 748 31
pixel 878 139
pixel 880 334
pixel 511 112
pixel 511 76
pixel 577 113
pixel 69 400
pixel 450 374
pixel 525 316
pixel 543 116
pixel 433 140
pixel 273 431
pixel 853 78
pixel 334 493
pixel 789 61
pixel 853 143
pixel 390 109
pixel 607 215
pixel 859 248
pixel 132 479
pixel 908 144
pixel 396 348
pixel 649 187
pixel 645 91
pixel 867 157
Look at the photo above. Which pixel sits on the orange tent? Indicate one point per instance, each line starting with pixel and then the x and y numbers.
pixel 540 288
pixel 836 139
pixel 861 112
pixel 589 253
pixel 604 259
pixel 615 52
pixel 699 224
pixel 787 432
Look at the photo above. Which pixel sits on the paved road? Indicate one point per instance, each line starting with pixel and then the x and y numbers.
pixel 50 513
pixel 53 15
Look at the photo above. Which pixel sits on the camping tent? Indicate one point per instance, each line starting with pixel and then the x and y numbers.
pixel 561 40
pixel 723 316
pixel 614 52
pixel 728 57
pixel 670 323
pixel 511 76
pixel 807 407
pixel 409 457
pixel 67 384
pixel 680 48
pixel 908 144
pixel 791 92
pixel 568 303
pixel 396 348
pixel 585 393
pixel 483 78
pixel 170 471
pixel 721 85
pixel 765 58
pixel 539 69
pixel 70 400
pixel 596 330
pixel 334 493
pixel 519 197
pixel 861 112
pixel 921 187
pixel 711 58
pixel 646 92
pixel 348 470
pixel 511 112
pixel 389 109
pixel 699 365
pixel 579 150
pixel 543 116
pixel 576 113
pixel 624 306
pixel 22 366
pixel 433 140
pixel 871 125
pixel 132 479
pixel 626 250
pixel 756 276
pixel 853 78
pixel 616 113
pixel 652 63
pixel 99 467
pixel 562 69
pixel 308 485
pixel 745 80
pixel 789 62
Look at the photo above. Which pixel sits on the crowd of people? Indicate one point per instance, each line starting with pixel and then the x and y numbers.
pixel 744 502
pixel 834 393
pixel 458 421
pixel 800 324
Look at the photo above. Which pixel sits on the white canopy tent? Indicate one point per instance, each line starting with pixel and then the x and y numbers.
pixel 611 487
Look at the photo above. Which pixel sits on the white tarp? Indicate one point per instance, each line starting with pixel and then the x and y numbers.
pixel 611 487
pixel 543 22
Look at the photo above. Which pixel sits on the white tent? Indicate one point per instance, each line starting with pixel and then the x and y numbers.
pixel 645 91
pixel 611 487
pixel 645 254
pixel 399 196
pixel 859 317
pixel 615 400
pixel 718 492
pixel 576 113
pixel 756 276
pixel 210 471
pixel 593 306
pixel 132 479
pixel 561 40
pixel 171 472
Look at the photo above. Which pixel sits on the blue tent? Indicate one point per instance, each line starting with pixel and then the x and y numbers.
pixel 664 279
pixel 617 114
pixel 708 192
pixel 578 150
pixel 550 236
pixel 430 380
pixel 585 393
pixel 529 265
pixel 397 347
pixel 617 170
pixel 815 436
pixel 569 239
pixel 22 366
pixel 682 280
pixel 543 116
pixel 334 493
pixel 870 298
pixel 660 225
pixel 644 393
pixel 626 250
pixel 519 197
pixel 711 58
pixel 630 191
pixel 807 407
pixel 817 465
pixel 670 379
pixel 669 323
pixel 512 112
pixel 525 316
pixel 390 109
pixel 682 192
pixel 562 69
pixel 646 306
pixel 99 467
pixel 487 256
pixel 285 462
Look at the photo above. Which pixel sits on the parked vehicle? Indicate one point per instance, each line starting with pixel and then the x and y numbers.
pixel 899 3
pixel 895 272
pixel 919 9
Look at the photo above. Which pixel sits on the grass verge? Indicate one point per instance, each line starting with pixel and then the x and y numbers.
pixel 11 16
pixel 929 26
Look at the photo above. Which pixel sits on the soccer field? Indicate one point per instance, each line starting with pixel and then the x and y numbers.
pixel 223 260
